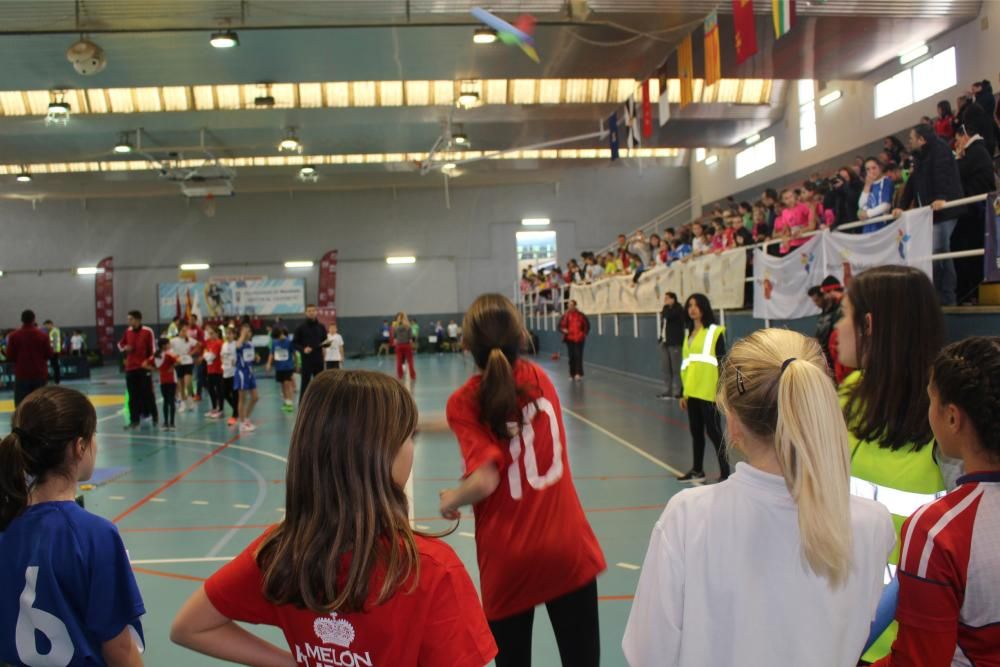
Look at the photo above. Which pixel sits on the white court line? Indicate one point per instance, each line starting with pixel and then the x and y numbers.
pixel 157 500
pixel 212 443
pixel 111 416
pixel 241 506
pixel 116 497
pixel 628 566
pixel 464 534
pixel 199 502
pixel 251 511
pixel 170 561
pixel 621 441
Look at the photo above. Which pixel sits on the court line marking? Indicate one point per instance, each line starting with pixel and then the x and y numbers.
pixel 639 409
pixel 241 506
pixel 168 575
pixel 157 500
pixel 628 566
pixel 111 416
pixel 250 510
pixel 198 502
pixel 622 441
pixel 465 534
pixel 170 561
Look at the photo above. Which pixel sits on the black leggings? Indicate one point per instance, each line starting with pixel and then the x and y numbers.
pixel 702 416
pixel 169 393
pixel 574 620
pixel 230 395
pixel 215 390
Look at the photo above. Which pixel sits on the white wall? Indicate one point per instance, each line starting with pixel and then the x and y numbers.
pixel 850 122
pixel 462 251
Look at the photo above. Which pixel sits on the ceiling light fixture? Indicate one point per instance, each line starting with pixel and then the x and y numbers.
pixel 535 222
pixel 484 35
pixel 830 98
pixel 711 159
pixel 195 267
pixel 307 171
pixel 397 259
pixel 58 113
pixel 88 270
pixel 460 139
pixel 449 167
pixel 23 177
pixel 299 264
pixel 124 145
pixel 468 99
pixel 752 139
pixel 913 54
pixel 291 143
pixel 224 39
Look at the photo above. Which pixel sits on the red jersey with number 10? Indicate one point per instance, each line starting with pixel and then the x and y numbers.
pixel 533 541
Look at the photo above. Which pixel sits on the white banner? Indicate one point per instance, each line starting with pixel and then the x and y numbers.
pixel 720 277
pixel 781 283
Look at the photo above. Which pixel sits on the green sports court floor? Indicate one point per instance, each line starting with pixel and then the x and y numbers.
pixel 192 499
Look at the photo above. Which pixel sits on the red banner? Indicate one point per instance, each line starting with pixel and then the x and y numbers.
pixel 745 29
pixel 104 307
pixel 647 111
pixel 327 297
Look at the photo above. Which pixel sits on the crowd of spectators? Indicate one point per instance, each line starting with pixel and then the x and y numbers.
pixel 944 158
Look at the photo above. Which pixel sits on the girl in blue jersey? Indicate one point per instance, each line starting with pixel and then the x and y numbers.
pixel 67 593
pixel 244 381
pixel 282 357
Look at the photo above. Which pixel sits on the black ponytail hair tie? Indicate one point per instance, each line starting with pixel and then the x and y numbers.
pixel 786 364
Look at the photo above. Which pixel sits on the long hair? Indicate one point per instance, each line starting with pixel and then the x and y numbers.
pixel 341 500
pixel 401 320
pixel 967 374
pixel 889 404
pixel 493 334
pixel 44 426
pixel 705 306
pixel 798 410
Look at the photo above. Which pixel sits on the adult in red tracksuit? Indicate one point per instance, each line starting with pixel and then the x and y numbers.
pixel 139 348
pixel 30 349
pixel 574 326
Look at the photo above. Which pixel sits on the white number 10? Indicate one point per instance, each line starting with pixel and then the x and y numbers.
pixel 30 620
pixel 527 435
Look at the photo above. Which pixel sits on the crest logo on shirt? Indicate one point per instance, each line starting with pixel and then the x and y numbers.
pixel 807 261
pixel 334 630
pixel 902 242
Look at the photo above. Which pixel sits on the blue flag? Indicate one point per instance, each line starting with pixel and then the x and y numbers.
pixel 613 135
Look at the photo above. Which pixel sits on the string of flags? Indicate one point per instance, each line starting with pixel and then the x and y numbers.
pixel 745 41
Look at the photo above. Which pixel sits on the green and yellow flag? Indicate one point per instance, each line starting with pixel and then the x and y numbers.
pixel 784 16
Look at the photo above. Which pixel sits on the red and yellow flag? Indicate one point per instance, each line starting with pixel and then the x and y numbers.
pixel 713 54
pixel 685 70
pixel 745 29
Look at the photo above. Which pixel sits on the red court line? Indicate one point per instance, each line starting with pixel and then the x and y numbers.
pixel 169 575
pixel 176 479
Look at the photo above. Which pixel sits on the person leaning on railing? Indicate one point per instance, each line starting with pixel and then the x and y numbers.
pixel 975 168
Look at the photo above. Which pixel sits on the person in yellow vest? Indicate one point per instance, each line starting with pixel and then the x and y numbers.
pixel 891 330
pixel 702 352
pixel 55 337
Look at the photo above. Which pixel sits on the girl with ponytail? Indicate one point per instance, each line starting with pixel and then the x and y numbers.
pixel 67 592
pixel 778 565
pixel 533 542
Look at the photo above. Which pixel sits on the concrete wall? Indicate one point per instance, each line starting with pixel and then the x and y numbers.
pixel 462 251
pixel 850 123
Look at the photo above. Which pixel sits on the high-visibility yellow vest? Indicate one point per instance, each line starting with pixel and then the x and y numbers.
pixel 699 365
pixel 902 480
pixel 55 337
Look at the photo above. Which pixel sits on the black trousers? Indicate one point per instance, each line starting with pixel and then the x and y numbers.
pixel 200 374
pixel 56 371
pixel 141 402
pixel 309 371
pixel 24 387
pixel 332 365
pixel 230 395
pixel 214 384
pixel 574 620
pixel 169 393
pixel 575 351
pixel 702 416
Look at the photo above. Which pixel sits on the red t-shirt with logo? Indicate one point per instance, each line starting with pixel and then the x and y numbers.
pixel 533 540
pixel 440 623
pixel 166 368
pixel 214 347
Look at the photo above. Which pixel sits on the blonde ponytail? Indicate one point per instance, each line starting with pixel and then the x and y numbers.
pixel 777 383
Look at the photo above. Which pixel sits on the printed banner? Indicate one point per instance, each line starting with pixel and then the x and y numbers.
pixel 781 283
pixel 720 277
pixel 285 296
pixel 328 281
pixel 991 257
pixel 104 307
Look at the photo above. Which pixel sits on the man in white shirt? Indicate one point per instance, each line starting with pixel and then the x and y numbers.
pixel 333 354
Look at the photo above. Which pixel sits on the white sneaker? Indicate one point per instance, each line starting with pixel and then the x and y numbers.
pixel 247 426
pixel 181 407
pixel 190 404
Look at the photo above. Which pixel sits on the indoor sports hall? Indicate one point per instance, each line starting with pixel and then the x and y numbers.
pixel 697 305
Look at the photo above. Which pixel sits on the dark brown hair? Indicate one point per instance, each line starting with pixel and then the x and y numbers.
pixel 889 404
pixel 341 500
pixel 493 334
pixel 45 425
pixel 967 374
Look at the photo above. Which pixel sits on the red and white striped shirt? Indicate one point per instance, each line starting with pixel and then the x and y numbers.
pixel 949 580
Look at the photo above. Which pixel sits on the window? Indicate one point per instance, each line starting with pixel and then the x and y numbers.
pixel 755 158
pixel 916 83
pixel 535 249
pixel 807 114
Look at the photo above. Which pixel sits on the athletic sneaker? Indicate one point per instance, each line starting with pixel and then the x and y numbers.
pixel 213 414
pixel 247 426
pixel 288 407
pixel 182 407
pixel 197 397
pixel 231 421
pixel 190 404
pixel 692 476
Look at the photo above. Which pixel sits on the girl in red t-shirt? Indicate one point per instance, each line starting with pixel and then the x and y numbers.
pixel 213 358
pixel 343 575
pixel 533 541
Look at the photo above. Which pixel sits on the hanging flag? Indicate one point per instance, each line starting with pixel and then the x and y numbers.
pixel 178 304
pixel 685 69
pixel 664 107
pixel 713 55
pixel 632 139
pixel 647 111
pixel 613 135
pixel 746 29
pixel 784 16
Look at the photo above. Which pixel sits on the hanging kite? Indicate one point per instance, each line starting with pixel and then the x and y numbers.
pixel 520 34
